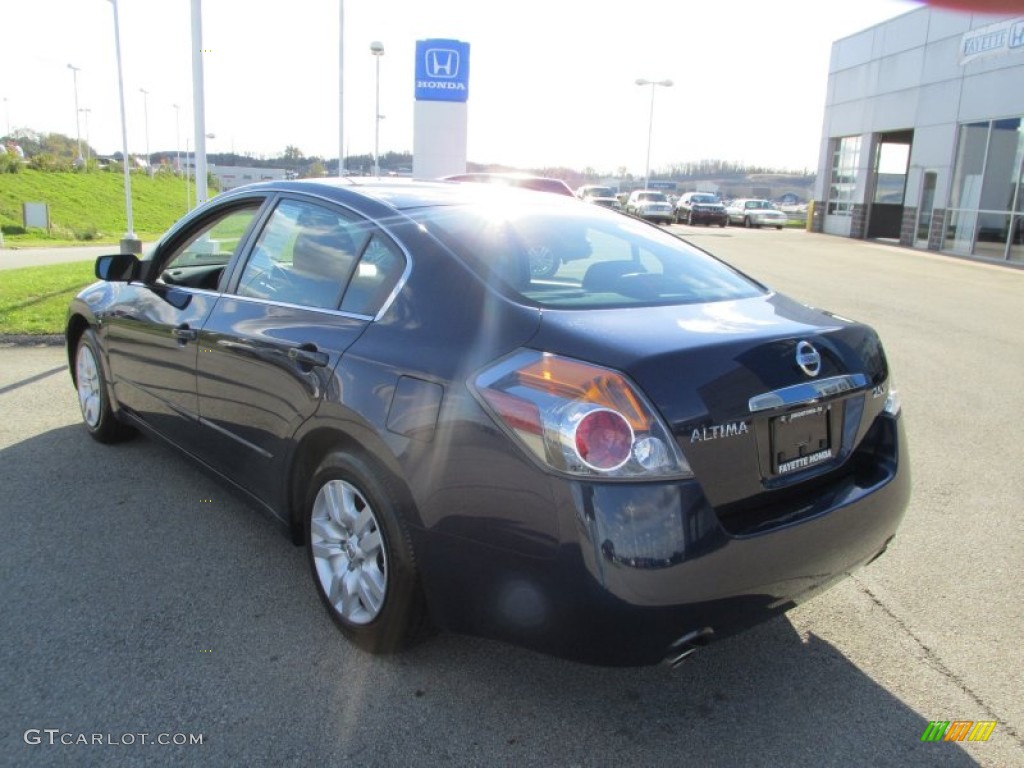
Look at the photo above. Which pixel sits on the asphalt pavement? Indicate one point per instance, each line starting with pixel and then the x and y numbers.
pixel 142 596
pixel 12 258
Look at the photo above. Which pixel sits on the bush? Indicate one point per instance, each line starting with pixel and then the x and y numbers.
pixel 9 163
pixel 46 161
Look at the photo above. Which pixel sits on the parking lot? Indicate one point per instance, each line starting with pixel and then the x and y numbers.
pixel 142 596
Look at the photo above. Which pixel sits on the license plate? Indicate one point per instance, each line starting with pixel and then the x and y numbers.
pixel 801 440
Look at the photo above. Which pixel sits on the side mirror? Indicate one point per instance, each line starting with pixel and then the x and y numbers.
pixel 118 267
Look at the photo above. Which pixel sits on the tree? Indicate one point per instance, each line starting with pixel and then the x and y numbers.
pixel 292 154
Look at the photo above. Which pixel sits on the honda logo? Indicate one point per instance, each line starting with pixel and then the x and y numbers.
pixel 442 63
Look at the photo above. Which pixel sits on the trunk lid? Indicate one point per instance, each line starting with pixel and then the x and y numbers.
pixel 750 414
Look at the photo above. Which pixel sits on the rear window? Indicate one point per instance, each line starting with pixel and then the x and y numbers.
pixel 561 257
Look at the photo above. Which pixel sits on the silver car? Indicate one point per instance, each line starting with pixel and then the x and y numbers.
pixel 651 205
pixel 755 213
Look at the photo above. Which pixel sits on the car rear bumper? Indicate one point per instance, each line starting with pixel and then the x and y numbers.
pixel 642 566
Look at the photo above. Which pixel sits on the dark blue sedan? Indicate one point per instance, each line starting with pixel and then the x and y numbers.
pixel 615 463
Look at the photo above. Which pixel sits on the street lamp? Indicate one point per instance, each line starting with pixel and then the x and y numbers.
pixel 650 123
pixel 7 110
pixel 78 133
pixel 377 49
pixel 129 243
pixel 341 87
pixel 177 138
pixel 145 117
pixel 85 111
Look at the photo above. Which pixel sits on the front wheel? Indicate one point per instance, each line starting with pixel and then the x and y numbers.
pixel 361 554
pixel 93 398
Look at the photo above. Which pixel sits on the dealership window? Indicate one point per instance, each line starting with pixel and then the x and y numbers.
pixel 984 218
pixel 843 180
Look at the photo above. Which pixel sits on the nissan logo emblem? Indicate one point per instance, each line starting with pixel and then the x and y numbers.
pixel 807 358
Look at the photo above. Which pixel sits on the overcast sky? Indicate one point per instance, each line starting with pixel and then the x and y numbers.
pixel 552 81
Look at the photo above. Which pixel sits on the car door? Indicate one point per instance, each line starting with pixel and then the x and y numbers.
pixel 151 330
pixel 270 346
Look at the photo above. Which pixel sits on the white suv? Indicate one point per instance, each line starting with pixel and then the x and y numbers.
pixel 651 205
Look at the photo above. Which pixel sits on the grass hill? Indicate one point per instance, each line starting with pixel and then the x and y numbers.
pixel 89 207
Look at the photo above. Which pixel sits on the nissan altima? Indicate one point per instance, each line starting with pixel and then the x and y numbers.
pixel 615 463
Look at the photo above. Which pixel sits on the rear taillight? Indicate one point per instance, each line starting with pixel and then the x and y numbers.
pixel 579 418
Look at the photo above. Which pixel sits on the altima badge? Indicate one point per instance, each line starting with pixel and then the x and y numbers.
pixel 808 359
pixel 733 429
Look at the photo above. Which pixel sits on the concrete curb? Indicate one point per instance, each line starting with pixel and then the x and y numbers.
pixel 25 340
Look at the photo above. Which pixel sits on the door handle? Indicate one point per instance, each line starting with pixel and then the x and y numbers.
pixel 308 355
pixel 184 334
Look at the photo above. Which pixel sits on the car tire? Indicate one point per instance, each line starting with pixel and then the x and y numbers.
pixel 747 222
pixel 361 554
pixel 678 218
pixel 689 219
pixel 723 222
pixel 779 227
pixel 93 396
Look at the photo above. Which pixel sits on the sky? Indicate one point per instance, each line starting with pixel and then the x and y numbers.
pixel 552 82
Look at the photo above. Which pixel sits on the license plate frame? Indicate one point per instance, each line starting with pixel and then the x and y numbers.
pixel 801 439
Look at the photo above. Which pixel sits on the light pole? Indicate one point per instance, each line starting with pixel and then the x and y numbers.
pixel 145 117
pixel 341 87
pixel 7 110
pixel 188 180
pixel 377 49
pixel 85 111
pixel 129 243
pixel 78 132
pixel 650 123
pixel 177 138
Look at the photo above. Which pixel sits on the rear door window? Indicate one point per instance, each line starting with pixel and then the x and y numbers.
pixel 305 255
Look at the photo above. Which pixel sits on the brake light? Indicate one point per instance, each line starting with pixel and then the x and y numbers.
pixel 579 418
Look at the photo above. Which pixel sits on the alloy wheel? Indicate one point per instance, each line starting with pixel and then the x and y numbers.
pixel 348 552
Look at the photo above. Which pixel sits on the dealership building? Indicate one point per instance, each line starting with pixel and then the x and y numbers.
pixel 922 139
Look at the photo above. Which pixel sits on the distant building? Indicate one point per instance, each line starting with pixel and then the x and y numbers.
pixel 923 140
pixel 231 176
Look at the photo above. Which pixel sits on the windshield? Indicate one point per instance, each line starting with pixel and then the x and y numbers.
pixel 599 192
pixel 652 197
pixel 704 199
pixel 565 258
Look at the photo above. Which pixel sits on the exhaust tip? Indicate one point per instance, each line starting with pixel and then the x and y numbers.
pixel 687 645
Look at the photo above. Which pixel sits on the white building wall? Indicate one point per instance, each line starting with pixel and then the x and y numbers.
pixel 906 74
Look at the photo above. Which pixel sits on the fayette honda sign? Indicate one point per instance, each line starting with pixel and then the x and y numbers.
pixel 442 70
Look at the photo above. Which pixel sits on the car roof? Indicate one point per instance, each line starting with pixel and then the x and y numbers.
pixel 400 194
pixel 539 183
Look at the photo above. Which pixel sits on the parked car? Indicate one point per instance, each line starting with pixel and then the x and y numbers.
pixel 606 196
pixel 756 213
pixel 538 183
pixel 700 208
pixel 649 204
pixel 616 465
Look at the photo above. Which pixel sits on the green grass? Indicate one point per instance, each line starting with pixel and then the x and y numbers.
pixel 34 300
pixel 89 207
